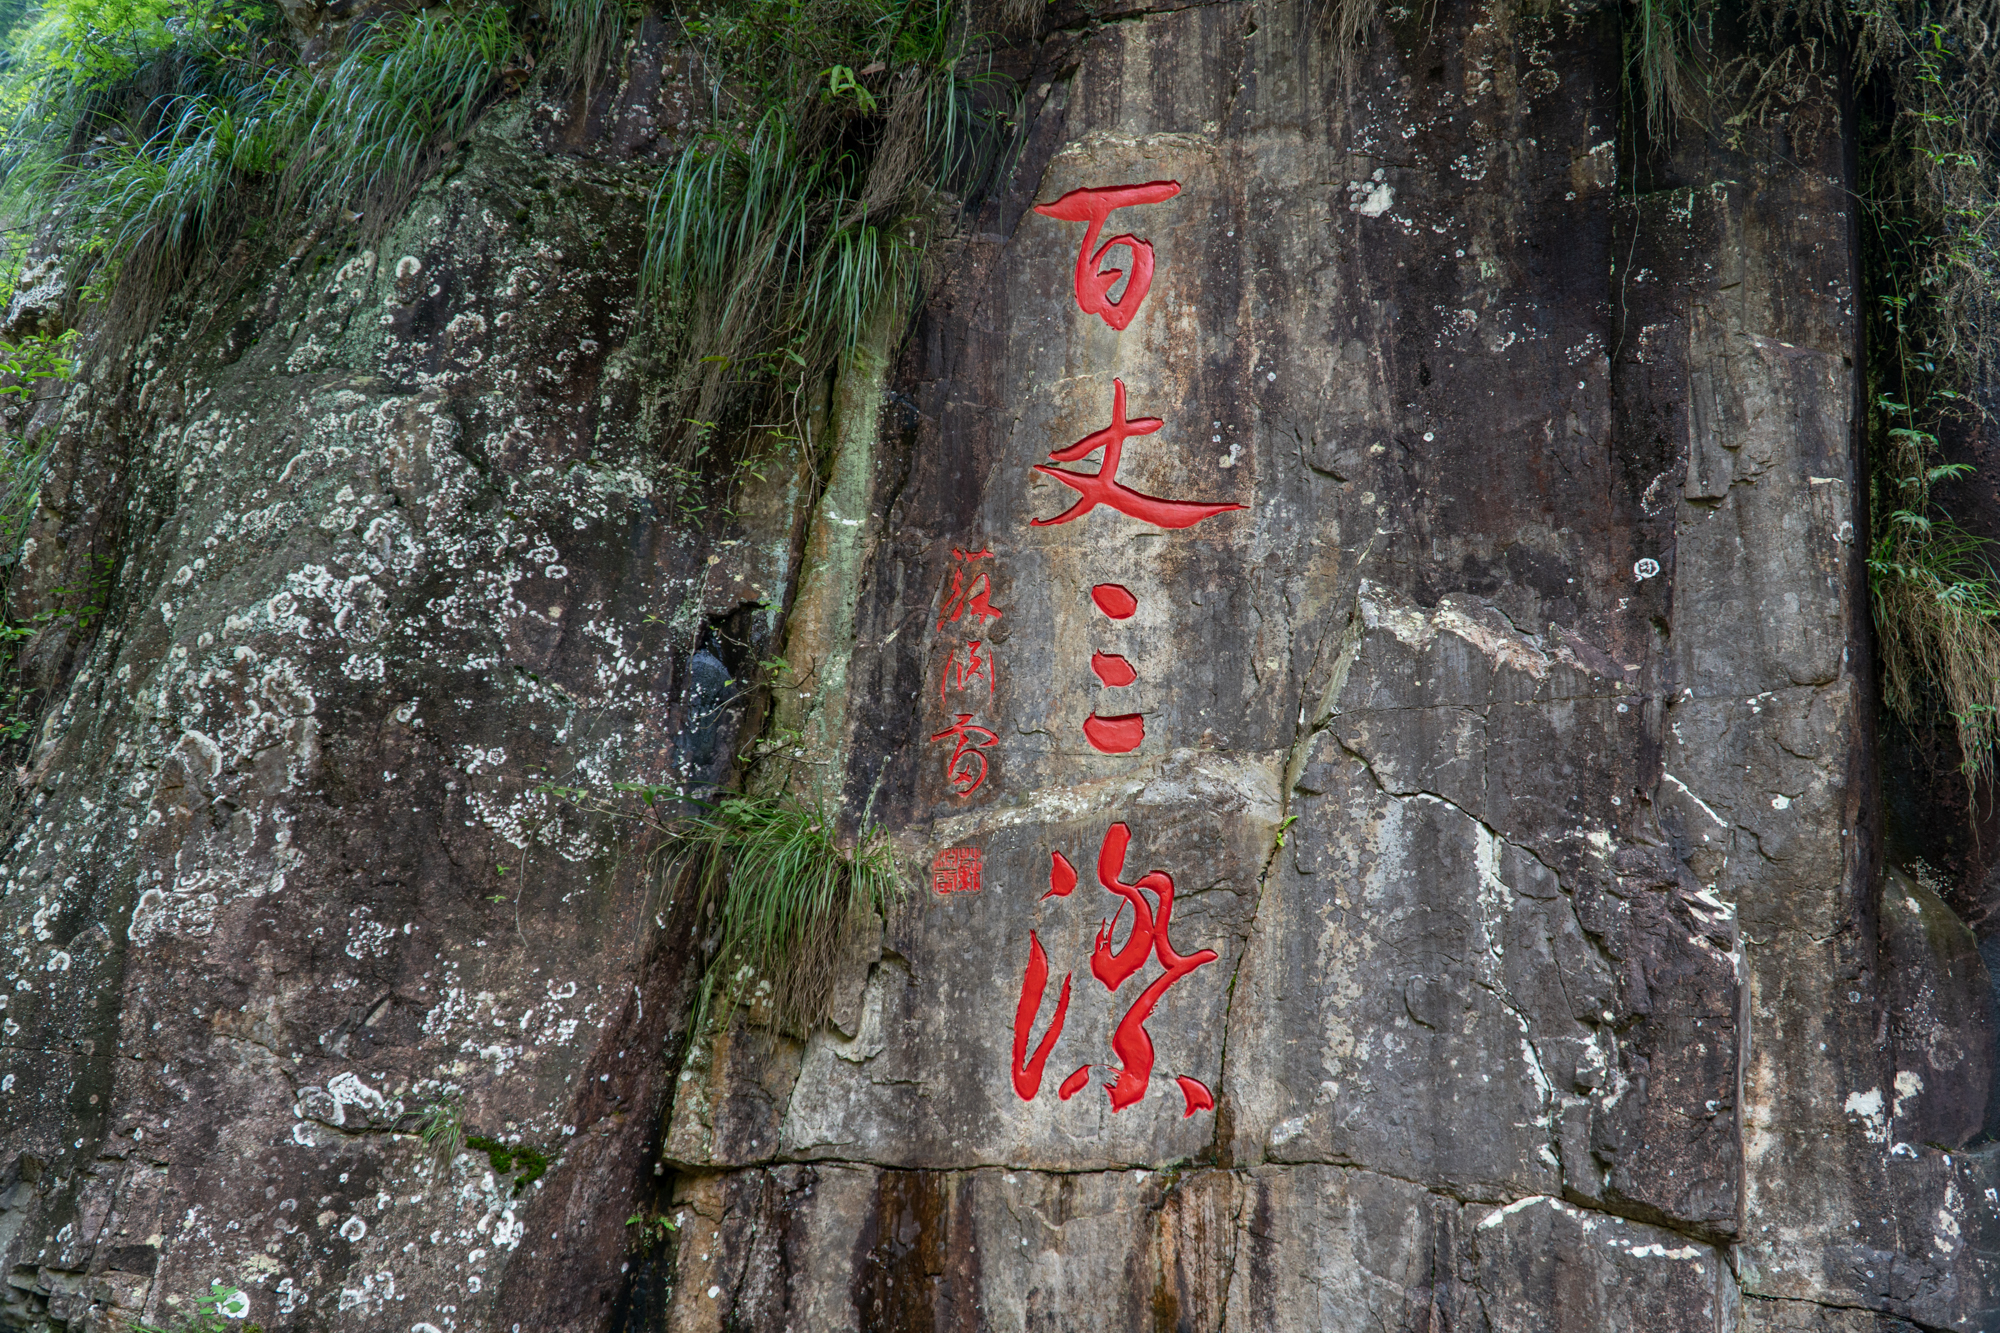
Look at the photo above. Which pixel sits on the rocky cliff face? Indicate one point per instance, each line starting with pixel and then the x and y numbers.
pixel 1398 847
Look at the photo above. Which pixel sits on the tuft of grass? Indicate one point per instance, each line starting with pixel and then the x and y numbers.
pixel 844 135
pixel 443 1134
pixel 148 143
pixel 1666 51
pixel 363 134
pixel 583 35
pixel 779 895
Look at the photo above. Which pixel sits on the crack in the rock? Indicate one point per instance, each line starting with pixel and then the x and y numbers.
pixel 1092 22
pixel 1842 1305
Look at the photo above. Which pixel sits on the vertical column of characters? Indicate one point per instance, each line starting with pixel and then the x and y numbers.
pixel 966 687
pixel 1147 940
pixel 965 680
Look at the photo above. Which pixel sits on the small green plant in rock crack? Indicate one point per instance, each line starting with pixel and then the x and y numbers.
pixel 30 370
pixel 218 1312
pixel 778 894
pixel 443 1133
pixel 778 891
pixel 74 608
pixel 655 1229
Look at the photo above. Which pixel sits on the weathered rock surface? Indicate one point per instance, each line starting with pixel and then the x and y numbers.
pixel 1455 858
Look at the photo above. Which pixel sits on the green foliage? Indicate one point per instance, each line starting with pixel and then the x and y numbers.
pixel 74 609
pixel 1665 50
pixel 583 35
pixel 28 366
pixel 150 140
pixel 1930 196
pixel 654 1230
pixel 30 370
pixel 529 1161
pixel 97 69
pixel 443 1133
pixel 779 894
pixel 1924 72
pixel 843 133
pixel 221 1311
pixel 361 135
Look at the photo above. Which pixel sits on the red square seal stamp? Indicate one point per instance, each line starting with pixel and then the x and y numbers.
pixel 956 870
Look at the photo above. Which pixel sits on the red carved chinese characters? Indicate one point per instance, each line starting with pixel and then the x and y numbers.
pixel 1102 487
pixel 1028 1069
pixel 956 870
pixel 1124 732
pixel 967 601
pixel 966 768
pixel 1114 600
pixel 968 597
pixel 1093 287
pixel 1062 876
pixel 1199 1098
pixel 1112 669
pixel 1121 734
pixel 1146 940
pixel 962 671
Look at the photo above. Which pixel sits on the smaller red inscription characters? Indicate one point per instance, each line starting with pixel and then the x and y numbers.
pixel 968 598
pixel 961 673
pixel 1093 281
pixel 1130 1042
pixel 966 768
pixel 956 870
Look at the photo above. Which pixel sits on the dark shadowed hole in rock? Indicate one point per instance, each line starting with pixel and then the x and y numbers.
pixel 714 698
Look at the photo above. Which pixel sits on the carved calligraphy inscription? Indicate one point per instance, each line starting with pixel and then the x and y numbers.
pixel 1102 487
pixel 1147 941
pixel 967 602
pixel 1093 287
pixel 1148 938
pixel 956 870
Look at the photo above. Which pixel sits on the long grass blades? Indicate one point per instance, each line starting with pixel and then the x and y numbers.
pixel 157 205
pixel 364 134
pixel 779 896
pixel 805 213
pixel 583 36
pixel 144 143
pixel 1666 50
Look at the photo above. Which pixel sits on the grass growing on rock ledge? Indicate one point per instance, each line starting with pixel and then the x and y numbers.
pixel 150 131
pixel 1924 73
pixel 1929 195
pixel 780 896
pixel 843 134
pixel 778 893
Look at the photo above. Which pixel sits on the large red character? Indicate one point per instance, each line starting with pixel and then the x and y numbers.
pixel 1130 1042
pixel 1102 486
pixel 1093 281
